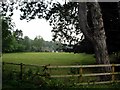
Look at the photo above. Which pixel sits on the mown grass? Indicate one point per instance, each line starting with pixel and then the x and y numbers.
pixel 43 58
pixel 49 58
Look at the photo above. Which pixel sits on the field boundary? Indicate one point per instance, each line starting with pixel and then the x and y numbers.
pixel 80 75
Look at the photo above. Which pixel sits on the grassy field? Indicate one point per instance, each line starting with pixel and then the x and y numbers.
pixel 11 79
pixel 45 59
pixel 49 58
pixel 40 58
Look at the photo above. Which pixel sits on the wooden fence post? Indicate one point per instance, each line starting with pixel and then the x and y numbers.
pixel 3 69
pixel 80 74
pixel 47 74
pixel 113 71
pixel 21 65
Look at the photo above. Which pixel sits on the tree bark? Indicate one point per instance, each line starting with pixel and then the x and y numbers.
pixel 91 24
pixel 119 11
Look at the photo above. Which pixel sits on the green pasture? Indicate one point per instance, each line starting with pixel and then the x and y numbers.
pixel 12 79
pixel 42 58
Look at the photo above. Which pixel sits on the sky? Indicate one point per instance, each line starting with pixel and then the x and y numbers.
pixel 34 27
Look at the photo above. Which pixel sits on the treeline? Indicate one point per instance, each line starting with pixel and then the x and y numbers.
pixel 37 45
pixel 26 44
pixel 13 40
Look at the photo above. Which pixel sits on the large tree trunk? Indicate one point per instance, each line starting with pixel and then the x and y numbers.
pixel 100 48
pixel 91 24
pixel 119 10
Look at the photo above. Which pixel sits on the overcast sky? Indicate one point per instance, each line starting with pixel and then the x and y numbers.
pixel 34 27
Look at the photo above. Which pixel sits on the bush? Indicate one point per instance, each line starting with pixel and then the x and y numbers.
pixel 30 79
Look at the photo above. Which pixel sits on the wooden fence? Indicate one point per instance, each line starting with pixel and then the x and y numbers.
pixel 80 67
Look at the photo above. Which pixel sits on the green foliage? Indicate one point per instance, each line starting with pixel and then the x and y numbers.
pixel 27 43
pixel 28 7
pixel 63 18
pixel 9 36
pixel 38 44
pixel 12 41
pixel 12 80
pixel 8 40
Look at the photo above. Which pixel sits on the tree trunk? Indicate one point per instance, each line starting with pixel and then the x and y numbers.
pixel 91 24
pixel 119 10
pixel 101 50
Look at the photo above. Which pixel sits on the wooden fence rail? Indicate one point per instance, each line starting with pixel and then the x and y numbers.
pixel 47 67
